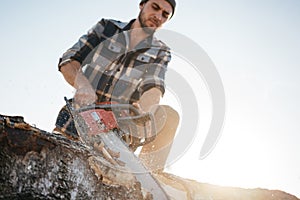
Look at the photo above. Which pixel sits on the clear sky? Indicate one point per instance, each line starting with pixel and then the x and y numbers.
pixel 254 45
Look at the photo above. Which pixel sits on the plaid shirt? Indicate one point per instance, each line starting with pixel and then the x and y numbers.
pixel 117 72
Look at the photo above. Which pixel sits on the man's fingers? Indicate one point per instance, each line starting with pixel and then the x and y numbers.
pixel 82 97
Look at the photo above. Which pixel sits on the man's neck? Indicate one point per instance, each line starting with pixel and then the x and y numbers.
pixel 137 34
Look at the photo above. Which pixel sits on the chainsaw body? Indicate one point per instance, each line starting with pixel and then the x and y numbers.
pixel 135 128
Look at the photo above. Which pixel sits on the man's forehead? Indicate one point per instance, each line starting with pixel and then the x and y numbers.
pixel 165 5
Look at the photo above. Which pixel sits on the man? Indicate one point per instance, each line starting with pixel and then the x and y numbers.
pixel 124 63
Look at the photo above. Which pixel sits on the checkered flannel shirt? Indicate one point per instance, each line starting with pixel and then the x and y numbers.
pixel 116 72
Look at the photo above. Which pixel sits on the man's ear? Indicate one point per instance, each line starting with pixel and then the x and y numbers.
pixel 142 5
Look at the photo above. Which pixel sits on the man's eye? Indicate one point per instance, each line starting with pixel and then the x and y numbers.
pixel 155 7
pixel 165 15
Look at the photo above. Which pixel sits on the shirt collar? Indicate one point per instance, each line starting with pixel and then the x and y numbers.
pixel 147 43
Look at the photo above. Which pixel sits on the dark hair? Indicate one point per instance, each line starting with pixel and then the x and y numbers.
pixel 171 2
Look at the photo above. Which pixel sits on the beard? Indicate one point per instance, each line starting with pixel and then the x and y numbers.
pixel 142 19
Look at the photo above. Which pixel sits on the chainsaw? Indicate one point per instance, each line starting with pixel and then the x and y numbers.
pixel 113 126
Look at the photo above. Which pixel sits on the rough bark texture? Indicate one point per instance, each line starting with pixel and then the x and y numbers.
pixel 35 164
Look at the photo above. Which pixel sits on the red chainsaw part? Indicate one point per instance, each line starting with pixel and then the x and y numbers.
pixel 99 121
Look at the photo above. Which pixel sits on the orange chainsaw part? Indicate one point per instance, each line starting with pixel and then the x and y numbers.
pixel 99 121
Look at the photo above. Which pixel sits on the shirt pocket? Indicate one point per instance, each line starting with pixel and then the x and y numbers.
pixel 107 55
pixel 143 58
pixel 146 58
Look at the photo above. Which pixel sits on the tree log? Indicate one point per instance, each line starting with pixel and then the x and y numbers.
pixel 35 164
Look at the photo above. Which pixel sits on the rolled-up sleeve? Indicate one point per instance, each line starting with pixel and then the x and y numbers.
pixel 86 43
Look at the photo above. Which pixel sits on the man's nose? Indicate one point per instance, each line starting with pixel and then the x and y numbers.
pixel 158 16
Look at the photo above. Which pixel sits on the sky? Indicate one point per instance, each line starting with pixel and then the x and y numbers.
pixel 254 46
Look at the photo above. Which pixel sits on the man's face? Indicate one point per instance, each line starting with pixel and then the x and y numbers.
pixel 153 14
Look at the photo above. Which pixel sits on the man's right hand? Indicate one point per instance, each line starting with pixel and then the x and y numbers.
pixel 85 94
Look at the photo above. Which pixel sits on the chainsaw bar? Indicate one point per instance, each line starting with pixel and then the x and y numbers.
pixel 132 163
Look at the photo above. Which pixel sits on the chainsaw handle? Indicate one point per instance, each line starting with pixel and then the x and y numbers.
pixel 114 107
pixel 142 118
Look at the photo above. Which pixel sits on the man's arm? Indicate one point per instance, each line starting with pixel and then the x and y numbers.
pixel 149 99
pixel 71 61
pixel 85 94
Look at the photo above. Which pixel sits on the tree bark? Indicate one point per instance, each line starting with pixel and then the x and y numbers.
pixel 35 164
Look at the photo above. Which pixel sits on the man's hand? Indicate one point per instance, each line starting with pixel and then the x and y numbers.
pixel 85 94
pixel 149 99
